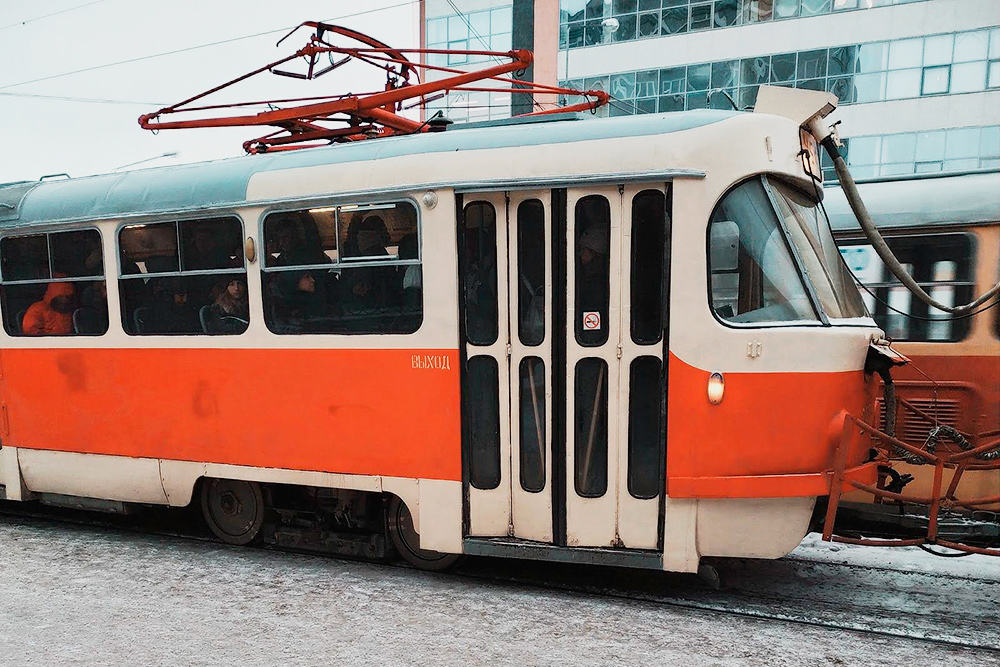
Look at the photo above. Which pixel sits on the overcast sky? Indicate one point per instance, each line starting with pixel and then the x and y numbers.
pixel 55 118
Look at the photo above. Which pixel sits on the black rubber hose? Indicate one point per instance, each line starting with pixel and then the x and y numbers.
pixel 879 244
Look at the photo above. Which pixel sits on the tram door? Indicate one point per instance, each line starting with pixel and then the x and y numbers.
pixel 575 458
pixel 616 286
pixel 507 396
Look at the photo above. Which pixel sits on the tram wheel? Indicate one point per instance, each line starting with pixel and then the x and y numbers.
pixel 399 525
pixel 233 509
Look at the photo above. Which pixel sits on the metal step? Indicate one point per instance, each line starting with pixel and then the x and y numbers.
pixel 507 547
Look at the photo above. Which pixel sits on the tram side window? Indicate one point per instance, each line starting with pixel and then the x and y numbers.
pixel 351 269
pixel 754 278
pixel 940 263
pixel 53 284
pixel 183 278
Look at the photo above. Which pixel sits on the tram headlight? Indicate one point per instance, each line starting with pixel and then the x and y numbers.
pixel 716 388
pixel 430 199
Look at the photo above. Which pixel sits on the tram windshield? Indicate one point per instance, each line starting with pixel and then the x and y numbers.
pixel 809 230
pixel 766 241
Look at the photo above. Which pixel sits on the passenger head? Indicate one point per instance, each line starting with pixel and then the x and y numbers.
pixel 593 243
pixel 371 236
pixel 203 239
pixel 306 283
pixel 408 247
pixel 236 290
pixel 61 297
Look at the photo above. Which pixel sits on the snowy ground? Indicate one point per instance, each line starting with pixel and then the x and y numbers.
pixel 74 595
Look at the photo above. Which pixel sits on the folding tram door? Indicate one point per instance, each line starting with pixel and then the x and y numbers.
pixel 563 383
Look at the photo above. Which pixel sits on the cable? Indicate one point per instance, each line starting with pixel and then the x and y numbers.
pixel 62 98
pixel 950 318
pixel 45 16
pixel 200 46
pixel 472 30
pixel 879 245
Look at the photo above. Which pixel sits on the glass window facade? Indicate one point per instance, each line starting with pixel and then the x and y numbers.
pixel 592 22
pixel 946 64
pixel 487 30
pixel 949 150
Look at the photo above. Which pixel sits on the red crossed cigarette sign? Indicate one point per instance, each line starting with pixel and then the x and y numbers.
pixel 591 321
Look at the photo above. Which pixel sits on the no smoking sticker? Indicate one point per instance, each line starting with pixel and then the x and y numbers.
pixel 591 321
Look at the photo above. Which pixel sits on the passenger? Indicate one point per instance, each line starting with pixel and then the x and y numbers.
pixel 412 278
pixel 297 242
pixel 232 302
pixel 367 238
pixel 205 252
pixel 171 312
pixel 300 299
pixel 92 317
pixel 53 315
pixel 363 290
pixel 593 266
pixel 95 296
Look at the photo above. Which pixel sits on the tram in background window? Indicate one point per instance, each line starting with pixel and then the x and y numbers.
pixel 946 231
pixel 629 341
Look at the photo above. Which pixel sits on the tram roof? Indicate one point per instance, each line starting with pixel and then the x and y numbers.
pixel 224 182
pixel 925 201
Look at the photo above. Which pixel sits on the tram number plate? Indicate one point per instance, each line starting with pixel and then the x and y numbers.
pixel 591 321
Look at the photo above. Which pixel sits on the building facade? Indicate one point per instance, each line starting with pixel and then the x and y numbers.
pixel 489 25
pixel 918 80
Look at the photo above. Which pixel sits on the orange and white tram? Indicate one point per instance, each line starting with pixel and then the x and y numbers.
pixel 629 341
pixel 945 229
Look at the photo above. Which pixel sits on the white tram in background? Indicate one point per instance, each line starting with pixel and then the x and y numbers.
pixel 629 341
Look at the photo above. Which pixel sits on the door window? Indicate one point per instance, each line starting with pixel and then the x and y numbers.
pixel 593 233
pixel 531 272
pixel 647 279
pixel 591 428
pixel 482 428
pixel 532 423
pixel 479 235
pixel 645 427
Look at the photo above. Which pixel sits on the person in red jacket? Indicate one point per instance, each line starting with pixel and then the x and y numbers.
pixel 53 315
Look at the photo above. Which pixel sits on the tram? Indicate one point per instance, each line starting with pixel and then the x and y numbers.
pixel 946 230
pixel 629 341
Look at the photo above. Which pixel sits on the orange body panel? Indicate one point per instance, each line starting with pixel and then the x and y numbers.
pixel 782 427
pixel 394 413
pixel 980 372
pixel 375 412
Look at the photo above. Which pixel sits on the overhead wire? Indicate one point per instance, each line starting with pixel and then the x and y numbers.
pixel 91 100
pixel 45 16
pixel 196 47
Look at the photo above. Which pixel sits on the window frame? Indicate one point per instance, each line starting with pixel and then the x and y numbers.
pixel 821 319
pixel 924 238
pixel 209 214
pixel 368 199
pixel 177 221
pixel 37 281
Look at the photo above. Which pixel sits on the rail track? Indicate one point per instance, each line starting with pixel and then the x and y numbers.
pixel 950 609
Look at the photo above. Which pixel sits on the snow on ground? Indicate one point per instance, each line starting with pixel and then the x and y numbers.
pixel 902 559
pixel 88 596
